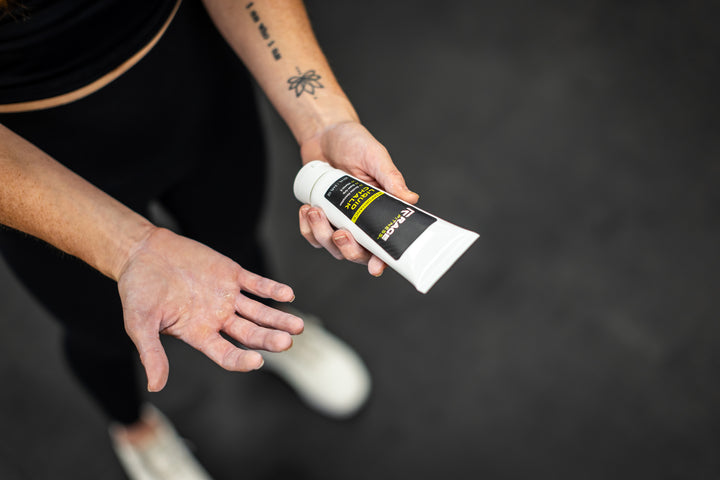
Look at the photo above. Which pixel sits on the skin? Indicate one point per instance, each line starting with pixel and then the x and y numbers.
pixel 325 125
pixel 170 284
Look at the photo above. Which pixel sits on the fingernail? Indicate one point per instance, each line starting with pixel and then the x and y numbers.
pixel 341 239
pixel 314 216
pixel 292 299
pixel 262 362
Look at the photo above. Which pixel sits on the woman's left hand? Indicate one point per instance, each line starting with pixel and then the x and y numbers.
pixel 351 148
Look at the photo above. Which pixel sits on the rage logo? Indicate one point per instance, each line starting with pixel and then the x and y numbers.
pixel 400 219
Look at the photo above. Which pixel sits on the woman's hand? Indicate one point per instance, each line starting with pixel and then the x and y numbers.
pixel 350 147
pixel 179 287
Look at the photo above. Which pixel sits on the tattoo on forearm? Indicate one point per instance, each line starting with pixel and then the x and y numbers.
pixel 262 28
pixel 304 82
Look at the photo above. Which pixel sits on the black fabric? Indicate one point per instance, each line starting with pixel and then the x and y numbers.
pixel 181 128
pixel 54 47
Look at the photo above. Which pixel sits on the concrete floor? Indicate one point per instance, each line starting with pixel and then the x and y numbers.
pixel 577 339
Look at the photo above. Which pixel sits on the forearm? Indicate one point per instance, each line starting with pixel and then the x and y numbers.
pixel 42 198
pixel 275 41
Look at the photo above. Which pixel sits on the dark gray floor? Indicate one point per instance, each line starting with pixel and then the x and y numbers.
pixel 577 339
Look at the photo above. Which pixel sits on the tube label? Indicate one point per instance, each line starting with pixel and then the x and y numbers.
pixel 392 224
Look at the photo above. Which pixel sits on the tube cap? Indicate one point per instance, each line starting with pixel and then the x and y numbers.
pixel 306 178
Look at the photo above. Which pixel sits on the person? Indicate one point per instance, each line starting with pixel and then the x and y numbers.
pixel 110 107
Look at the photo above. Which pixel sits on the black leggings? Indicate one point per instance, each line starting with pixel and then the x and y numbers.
pixel 180 128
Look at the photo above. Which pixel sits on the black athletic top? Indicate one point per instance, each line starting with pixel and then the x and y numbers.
pixel 53 47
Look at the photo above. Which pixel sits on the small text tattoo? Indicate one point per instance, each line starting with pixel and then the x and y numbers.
pixel 264 33
pixel 304 82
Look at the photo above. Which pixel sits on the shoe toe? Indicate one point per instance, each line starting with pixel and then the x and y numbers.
pixel 324 371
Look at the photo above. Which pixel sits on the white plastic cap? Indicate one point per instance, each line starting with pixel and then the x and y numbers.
pixel 307 177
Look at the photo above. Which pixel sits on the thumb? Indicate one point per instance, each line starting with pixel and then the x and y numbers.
pixel 157 367
pixel 154 360
pixel 393 182
pixel 387 175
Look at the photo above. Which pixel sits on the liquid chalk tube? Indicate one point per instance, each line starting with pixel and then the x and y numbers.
pixel 419 246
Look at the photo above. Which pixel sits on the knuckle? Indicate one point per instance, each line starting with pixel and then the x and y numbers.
pixel 354 256
pixel 305 231
pixel 228 360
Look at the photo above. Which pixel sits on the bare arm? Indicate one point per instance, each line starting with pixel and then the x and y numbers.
pixel 41 197
pixel 167 283
pixel 275 41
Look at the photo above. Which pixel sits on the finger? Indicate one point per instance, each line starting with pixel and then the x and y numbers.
pixel 265 287
pixel 323 231
pixel 228 356
pixel 350 248
pixel 253 336
pixel 261 314
pixel 305 228
pixel 389 177
pixel 376 267
pixel 152 357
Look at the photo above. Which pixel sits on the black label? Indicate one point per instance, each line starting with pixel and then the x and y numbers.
pixel 392 224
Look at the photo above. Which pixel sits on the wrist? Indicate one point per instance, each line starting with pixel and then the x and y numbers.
pixel 133 238
pixel 323 113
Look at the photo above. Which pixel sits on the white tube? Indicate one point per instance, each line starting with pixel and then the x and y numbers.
pixel 416 244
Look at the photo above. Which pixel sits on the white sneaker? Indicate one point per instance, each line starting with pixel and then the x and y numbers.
pixel 163 457
pixel 325 372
